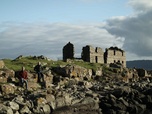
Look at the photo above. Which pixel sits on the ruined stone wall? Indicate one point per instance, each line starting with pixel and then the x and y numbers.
pixel 96 55
pixel 89 54
pixel 85 55
pixel 68 51
pixel 115 55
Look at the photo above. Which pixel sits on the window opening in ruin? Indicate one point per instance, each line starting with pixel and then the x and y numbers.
pixel 114 52
pixel 118 61
pixel 114 61
pixel 122 62
pixel 96 59
pixel 122 54
pixel 96 50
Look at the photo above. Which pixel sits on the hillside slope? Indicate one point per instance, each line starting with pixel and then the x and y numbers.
pixel 145 64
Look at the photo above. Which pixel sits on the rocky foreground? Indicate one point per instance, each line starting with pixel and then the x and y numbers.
pixel 75 90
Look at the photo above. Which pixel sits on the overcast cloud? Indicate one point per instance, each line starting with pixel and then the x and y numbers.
pixel 141 5
pixel 136 29
pixel 132 33
pixel 49 39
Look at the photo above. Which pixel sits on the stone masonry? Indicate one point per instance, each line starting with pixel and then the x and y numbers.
pixel 115 55
pixel 89 54
pixel 68 51
pixel 96 55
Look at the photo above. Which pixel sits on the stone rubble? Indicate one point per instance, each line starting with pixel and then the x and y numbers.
pixel 75 90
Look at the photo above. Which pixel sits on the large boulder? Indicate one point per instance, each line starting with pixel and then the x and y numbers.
pixel 32 77
pixel 33 85
pixel 7 73
pixel 99 72
pixel 13 105
pixel 63 100
pixel 87 105
pixel 5 109
pixel 77 71
pixel 129 75
pixel 7 88
pixel 3 79
pixel 74 71
pixel 142 72
pixel 48 80
pixel 51 100
pixel 25 110
pixel 42 106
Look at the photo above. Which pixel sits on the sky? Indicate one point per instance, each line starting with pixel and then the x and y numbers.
pixel 38 27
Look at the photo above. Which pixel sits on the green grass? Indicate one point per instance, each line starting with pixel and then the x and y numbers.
pixel 29 63
pixel 93 66
pixel 17 64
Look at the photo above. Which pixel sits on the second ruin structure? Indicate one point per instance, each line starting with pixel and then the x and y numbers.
pixel 89 54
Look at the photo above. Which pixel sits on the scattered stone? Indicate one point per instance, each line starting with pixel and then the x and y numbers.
pixel 72 89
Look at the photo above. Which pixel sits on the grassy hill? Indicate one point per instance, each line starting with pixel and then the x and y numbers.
pixel 145 64
pixel 29 62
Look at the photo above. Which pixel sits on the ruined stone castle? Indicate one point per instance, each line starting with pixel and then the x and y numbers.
pixel 68 51
pixel 96 55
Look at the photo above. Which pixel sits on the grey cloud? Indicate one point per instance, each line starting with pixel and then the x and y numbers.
pixel 48 39
pixel 137 32
pixel 141 5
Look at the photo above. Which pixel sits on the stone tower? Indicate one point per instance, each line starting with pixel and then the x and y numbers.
pixel 68 51
pixel 89 54
pixel 114 54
